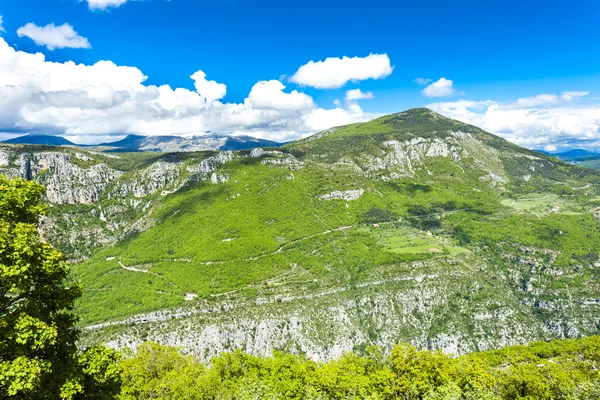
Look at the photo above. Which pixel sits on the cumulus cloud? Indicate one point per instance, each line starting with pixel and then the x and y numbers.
pixel 550 121
pixel 210 90
pixel 441 88
pixel 336 72
pixel 270 95
pixel 104 4
pixel 422 81
pixel 357 94
pixel 321 119
pixel 1 24
pixel 91 102
pixel 54 37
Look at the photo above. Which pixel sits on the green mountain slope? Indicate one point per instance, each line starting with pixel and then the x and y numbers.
pixel 594 164
pixel 411 227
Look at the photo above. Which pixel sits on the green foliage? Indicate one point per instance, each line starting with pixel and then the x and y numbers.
pixel 432 189
pixel 576 237
pixel 211 239
pixel 566 369
pixel 158 372
pixel 38 357
pixel 377 215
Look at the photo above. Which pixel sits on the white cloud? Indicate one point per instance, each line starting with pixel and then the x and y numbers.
pixel 422 81
pixel 91 102
pixel 441 88
pixel 321 119
pixel 542 121
pixel 210 90
pixel 270 94
pixel 104 4
pixel 547 99
pixel 1 24
pixel 357 94
pixel 54 37
pixel 571 96
pixel 336 72
pixel 539 100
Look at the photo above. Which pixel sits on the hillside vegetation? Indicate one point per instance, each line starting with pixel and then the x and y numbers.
pixel 409 228
pixel 566 369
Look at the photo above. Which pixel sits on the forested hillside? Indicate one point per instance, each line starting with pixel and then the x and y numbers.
pixel 566 369
pixel 39 359
pixel 410 228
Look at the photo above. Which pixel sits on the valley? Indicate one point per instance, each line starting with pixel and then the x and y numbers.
pixel 410 228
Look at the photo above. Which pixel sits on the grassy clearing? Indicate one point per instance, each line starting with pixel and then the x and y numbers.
pixel 542 204
pixel 408 240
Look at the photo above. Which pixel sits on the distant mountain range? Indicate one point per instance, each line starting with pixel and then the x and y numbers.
pixel 48 140
pixel 574 155
pixel 168 144
pixel 410 228
pixel 171 144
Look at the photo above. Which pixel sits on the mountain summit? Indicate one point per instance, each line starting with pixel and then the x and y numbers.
pixel 409 228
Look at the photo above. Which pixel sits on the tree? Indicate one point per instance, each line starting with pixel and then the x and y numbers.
pixel 161 372
pixel 38 353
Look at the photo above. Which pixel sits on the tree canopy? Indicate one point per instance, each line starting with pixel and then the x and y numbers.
pixel 38 353
pixel 563 369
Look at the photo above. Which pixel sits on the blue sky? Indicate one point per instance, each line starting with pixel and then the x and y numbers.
pixel 493 52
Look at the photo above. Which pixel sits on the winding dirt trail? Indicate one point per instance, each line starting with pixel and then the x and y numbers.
pixel 146 271
pixel 280 248
pixel 132 268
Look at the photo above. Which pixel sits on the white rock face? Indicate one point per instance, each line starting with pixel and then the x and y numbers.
pixel 66 182
pixel 158 176
pixel 257 152
pixel 79 178
pixel 278 158
pixel 328 322
pixel 405 158
pixel 212 163
pixel 83 157
pixel 4 159
pixel 218 178
pixel 346 195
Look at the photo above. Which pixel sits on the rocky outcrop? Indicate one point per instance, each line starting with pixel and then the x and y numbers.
pixel 211 164
pixel 279 158
pixel 408 157
pixel 257 152
pixel 65 181
pixel 117 203
pixel 345 195
pixel 218 178
pixel 417 305
pixel 4 159
pixel 160 176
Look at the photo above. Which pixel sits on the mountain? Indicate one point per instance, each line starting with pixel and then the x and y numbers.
pixel 180 144
pixel 577 155
pixel 593 163
pixel 408 228
pixel 47 140
pixel 583 158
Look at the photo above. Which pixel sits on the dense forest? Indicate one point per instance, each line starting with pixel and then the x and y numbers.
pixel 563 369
